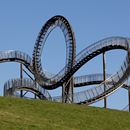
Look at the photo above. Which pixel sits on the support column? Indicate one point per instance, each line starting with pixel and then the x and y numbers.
pixel 104 78
pixel 67 91
pixel 21 77
pixel 35 97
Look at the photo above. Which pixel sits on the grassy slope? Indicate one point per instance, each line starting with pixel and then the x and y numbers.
pixel 24 114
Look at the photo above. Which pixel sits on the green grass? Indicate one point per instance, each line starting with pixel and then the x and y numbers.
pixel 21 114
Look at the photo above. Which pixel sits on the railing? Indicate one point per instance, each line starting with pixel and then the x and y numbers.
pixel 96 93
pixel 118 42
pixel 15 84
pixel 16 56
pixel 70 48
pixel 89 94
pixel 85 79
pixel 73 63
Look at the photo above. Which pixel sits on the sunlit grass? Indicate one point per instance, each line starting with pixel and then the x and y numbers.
pixel 21 114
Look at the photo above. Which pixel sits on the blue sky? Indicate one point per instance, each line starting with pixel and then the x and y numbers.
pixel 21 21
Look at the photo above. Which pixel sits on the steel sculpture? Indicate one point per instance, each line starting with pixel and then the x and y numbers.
pixel 65 77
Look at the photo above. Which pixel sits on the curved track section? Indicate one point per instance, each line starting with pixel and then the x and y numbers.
pixel 16 56
pixel 63 24
pixel 83 57
pixel 117 80
pixel 26 84
pixel 90 79
pixel 73 63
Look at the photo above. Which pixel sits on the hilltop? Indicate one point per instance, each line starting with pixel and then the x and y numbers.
pixel 26 114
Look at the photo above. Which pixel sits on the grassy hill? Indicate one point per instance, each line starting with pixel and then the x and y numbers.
pixel 21 114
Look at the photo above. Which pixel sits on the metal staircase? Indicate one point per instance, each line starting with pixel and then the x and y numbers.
pixel 45 81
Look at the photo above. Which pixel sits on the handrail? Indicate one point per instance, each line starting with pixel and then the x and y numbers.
pixel 15 84
pixel 73 62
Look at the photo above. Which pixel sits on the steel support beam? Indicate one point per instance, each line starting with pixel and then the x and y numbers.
pixel 67 91
pixel 35 97
pixel 21 77
pixel 104 78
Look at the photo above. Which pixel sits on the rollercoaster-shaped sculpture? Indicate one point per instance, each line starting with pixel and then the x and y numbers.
pixel 65 78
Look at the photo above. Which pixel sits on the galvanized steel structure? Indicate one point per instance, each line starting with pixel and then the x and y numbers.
pixel 65 78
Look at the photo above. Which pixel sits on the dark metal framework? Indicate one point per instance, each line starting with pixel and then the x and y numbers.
pixel 65 78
